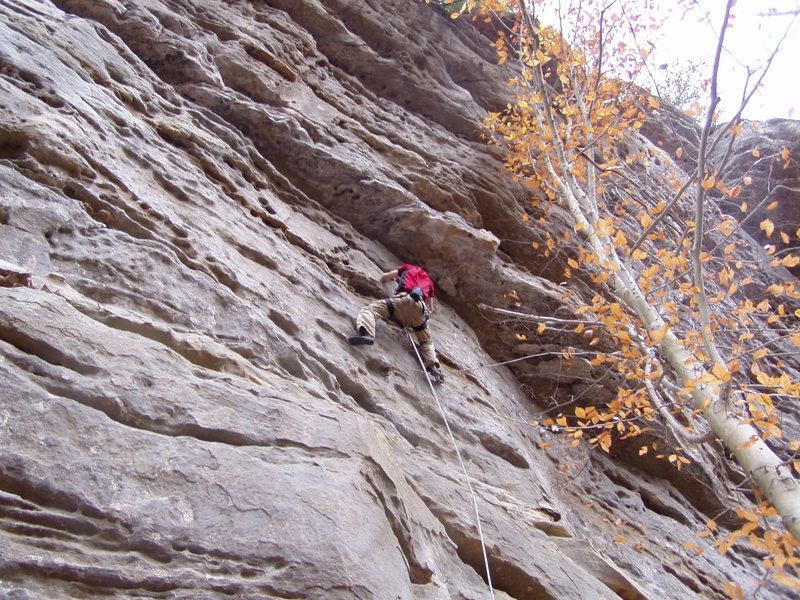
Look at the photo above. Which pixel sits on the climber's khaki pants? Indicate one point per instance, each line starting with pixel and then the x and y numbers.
pixel 407 312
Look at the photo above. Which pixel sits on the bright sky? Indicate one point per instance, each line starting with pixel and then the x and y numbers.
pixel 750 40
pixel 691 35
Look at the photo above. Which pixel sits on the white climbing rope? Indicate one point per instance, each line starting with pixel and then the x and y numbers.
pixel 461 462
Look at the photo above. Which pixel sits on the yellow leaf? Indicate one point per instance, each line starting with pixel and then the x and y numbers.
pixel 793 582
pixel 758 354
pixel 753 439
pixel 727 227
pixel 704 534
pixel 541 328
pixel 792 260
pixel 721 372
pixel 679 152
pixel 619 540
pixel 763 378
pixel 746 514
pixel 776 289
pixel 756 153
pixel 735 591
pixel 773 205
pixel 767 226
pixel 657 336
pixel 522 336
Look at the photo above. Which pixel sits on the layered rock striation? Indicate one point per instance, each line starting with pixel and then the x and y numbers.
pixel 197 198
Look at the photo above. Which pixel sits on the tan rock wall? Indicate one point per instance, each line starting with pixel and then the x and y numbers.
pixel 205 194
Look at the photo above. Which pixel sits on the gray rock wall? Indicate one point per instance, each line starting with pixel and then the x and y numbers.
pixel 205 193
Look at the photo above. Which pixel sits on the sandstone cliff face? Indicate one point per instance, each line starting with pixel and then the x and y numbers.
pixel 774 191
pixel 771 188
pixel 205 194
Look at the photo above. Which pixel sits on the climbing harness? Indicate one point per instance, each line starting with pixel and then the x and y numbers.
pixel 461 462
pixel 390 309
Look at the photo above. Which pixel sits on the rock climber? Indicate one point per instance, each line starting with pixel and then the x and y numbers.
pixel 410 306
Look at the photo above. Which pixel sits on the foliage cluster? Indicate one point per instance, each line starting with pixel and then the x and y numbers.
pixel 698 342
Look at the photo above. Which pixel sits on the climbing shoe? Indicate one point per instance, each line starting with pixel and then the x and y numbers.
pixel 360 340
pixel 436 375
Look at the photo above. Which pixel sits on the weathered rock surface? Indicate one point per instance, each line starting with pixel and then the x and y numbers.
pixel 761 160
pixel 204 194
pixel 772 189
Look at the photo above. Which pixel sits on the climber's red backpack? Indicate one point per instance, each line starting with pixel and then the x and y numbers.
pixel 411 276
